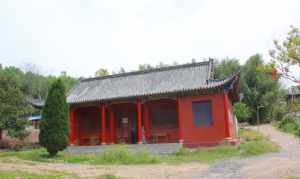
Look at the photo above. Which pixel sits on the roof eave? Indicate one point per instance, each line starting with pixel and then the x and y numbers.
pixel 204 89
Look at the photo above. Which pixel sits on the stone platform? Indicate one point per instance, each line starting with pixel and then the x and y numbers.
pixel 153 148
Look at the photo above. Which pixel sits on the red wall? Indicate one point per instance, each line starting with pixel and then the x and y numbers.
pixel 204 135
pixel 192 135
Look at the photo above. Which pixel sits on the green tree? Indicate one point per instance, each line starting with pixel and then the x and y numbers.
pixel 162 64
pixel 122 70
pixel 13 108
pixel 287 53
pixel 261 92
pixel 102 72
pixel 226 67
pixel 145 67
pixel 241 111
pixel 54 128
pixel 33 84
pixel 68 81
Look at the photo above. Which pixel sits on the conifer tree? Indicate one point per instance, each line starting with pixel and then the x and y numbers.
pixel 54 129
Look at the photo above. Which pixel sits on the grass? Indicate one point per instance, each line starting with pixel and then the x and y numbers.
pixel 252 143
pixel 53 175
pixel 122 155
pixel 107 177
pixel 119 154
pixel 28 175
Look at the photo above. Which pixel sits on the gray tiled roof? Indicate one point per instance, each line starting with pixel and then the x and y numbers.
pixel 143 83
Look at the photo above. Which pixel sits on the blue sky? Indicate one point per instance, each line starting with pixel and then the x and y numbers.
pixel 81 36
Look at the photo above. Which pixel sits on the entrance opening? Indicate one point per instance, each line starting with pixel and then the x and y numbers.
pixel 88 126
pixel 163 122
pixel 125 122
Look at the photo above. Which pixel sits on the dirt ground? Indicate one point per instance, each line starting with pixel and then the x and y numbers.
pixel 273 165
pixel 90 171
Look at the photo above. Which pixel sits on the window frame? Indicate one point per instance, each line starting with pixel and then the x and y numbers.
pixel 207 122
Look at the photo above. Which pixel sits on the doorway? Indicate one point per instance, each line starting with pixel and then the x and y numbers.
pixel 126 123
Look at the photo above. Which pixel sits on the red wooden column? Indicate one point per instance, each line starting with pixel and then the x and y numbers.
pixel 77 126
pixel 112 126
pixel 226 117
pixel 103 124
pixel 146 121
pixel 72 126
pixel 139 121
pixel 179 114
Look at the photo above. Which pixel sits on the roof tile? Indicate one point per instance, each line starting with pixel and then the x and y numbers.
pixel 157 81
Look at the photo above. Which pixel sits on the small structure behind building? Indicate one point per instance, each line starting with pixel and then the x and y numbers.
pixel 38 105
pixel 293 98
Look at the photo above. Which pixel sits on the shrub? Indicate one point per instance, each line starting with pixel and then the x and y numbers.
pixel 54 128
pixel 122 155
pixel 290 124
pixel 241 111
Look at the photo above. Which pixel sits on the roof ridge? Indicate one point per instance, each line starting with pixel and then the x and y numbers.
pixel 137 72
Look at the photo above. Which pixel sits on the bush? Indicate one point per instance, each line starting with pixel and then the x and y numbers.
pixel 290 124
pixel 122 155
pixel 241 111
pixel 54 128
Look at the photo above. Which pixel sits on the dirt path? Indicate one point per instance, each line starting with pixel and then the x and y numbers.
pixel 90 171
pixel 271 166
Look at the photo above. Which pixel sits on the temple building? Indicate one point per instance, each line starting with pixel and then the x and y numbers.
pixel 182 103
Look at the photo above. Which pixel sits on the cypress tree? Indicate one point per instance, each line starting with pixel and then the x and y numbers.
pixel 54 128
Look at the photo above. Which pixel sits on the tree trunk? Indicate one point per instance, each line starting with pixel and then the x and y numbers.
pixel 0 134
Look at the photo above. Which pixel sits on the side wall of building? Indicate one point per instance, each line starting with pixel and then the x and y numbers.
pixel 231 122
pixel 207 135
